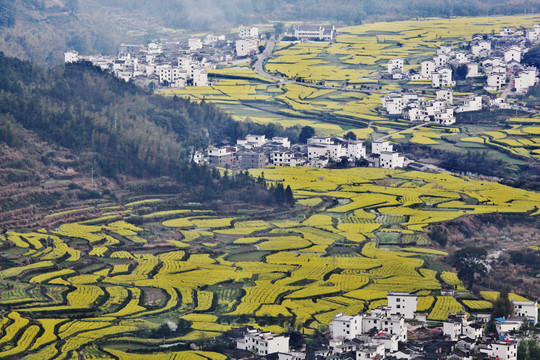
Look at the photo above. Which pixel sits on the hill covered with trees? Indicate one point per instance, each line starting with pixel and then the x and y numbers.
pixel 43 29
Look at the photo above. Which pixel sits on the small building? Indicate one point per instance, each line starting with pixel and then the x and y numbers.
pixel 504 349
pixel 496 80
pixel 513 54
pixel 473 103
pixel 253 160
pixel 263 343
pixel 526 309
pixel 427 68
pixel 452 329
pixel 505 326
pixel 393 104
pixel 246 47
pixel 252 141
pixel 246 32
pixel 396 64
pixel 402 303
pixel 379 146
pixel 391 160
pixel 446 95
pixel 314 32
pixel 222 157
pixel 194 44
pixel 442 78
pixel 370 352
pixel 200 77
pixel 346 326
pixel 281 141
pixel 71 56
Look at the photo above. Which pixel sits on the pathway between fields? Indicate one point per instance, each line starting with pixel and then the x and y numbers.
pixel 399 132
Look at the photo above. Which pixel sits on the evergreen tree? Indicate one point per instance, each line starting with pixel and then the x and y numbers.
pixel 289 195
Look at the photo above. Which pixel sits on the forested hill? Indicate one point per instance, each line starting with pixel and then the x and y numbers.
pixel 105 122
pixel 42 30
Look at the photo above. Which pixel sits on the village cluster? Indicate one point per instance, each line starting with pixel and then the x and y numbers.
pixel 175 64
pixel 497 57
pixel 255 152
pixel 382 333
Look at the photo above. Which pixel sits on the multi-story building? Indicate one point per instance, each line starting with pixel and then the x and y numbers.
pixel 245 47
pixel 526 309
pixel 253 160
pixel 396 64
pixel 378 146
pixel 504 349
pixel 442 78
pixel 195 44
pixel 393 104
pixel 391 160
pixel 252 141
pixel 496 80
pixel 263 343
pixel 222 157
pixel 314 32
pixel 200 77
pixel 427 68
pixel 402 304
pixel 245 32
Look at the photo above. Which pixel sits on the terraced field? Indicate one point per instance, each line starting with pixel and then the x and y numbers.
pixel 97 288
pixel 349 68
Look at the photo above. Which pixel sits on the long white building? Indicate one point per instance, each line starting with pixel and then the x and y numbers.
pixel 263 343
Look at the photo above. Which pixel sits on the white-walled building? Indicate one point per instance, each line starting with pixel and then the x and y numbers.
pixel 526 309
pixel 481 49
pixel 525 80
pixel 513 54
pixel 281 141
pixel 319 140
pixel 346 326
pixel 263 343
pixel 442 78
pixel 281 158
pixel 245 47
pixel 496 80
pixel 505 349
pixel 452 329
pixel 445 116
pixel 370 352
pixel 314 32
pixel 252 141
pixel 504 326
pixel 194 44
pixel 200 77
pixel 473 103
pixel 245 32
pixel 446 95
pixel 427 68
pixel 378 146
pixel 402 303
pixel 391 160
pixel 472 70
pixel 396 64
pixel 393 103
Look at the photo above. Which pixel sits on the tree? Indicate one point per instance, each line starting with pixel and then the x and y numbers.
pixel 350 136
pixel 279 28
pixel 528 349
pixel 470 263
pixel 305 134
pixel 460 72
pixel 532 57
pixel 439 235
pixel 502 307
pixel 289 196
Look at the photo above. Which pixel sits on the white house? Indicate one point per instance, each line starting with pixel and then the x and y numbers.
pixel 194 44
pixel 473 331
pixel 481 49
pixel 391 160
pixel 281 141
pixel 379 146
pixel 527 309
pixel 496 80
pixel 525 80
pixel 390 342
pixel 452 329
pixel 370 352
pixel 314 32
pixel 396 64
pixel 200 77
pixel 473 103
pixel 263 343
pixel 472 70
pixel 504 326
pixel 252 141
pixel 245 47
pixel 445 116
pixel 346 326
pixel 393 103
pixel 319 140
pixel 513 54
pixel 281 158
pixel 442 78
pixel 505 349
pixel 426 68
pixel 245 32
pixel 355 149
pixel 402 303
pixel 446 95
pixel 440 60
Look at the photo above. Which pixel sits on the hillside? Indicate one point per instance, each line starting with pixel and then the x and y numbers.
pixel 43 30
pixel 73 133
